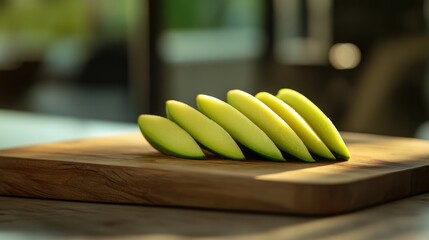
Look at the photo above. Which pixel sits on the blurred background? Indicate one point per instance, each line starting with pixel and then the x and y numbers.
pixel 364 62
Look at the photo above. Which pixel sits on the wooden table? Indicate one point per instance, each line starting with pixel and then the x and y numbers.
pixel 25 218
pixel 22 218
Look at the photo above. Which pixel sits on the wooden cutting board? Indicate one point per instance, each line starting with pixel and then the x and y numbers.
pixel 125 169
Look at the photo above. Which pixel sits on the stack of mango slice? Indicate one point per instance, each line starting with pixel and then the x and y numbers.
pixel 287 125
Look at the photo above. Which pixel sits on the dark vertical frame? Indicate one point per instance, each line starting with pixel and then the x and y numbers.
pixel 156 79
pixel 266 61
pixel 145 63
pixel 268 30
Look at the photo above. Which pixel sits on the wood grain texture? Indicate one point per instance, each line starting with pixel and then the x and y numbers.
pixel 125 169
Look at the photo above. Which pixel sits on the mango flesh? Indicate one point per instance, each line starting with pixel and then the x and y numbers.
pixel 204 130
pixel 297 123
pixel 158 131
pixel 318 121
pixel 239 126
pixel 267 120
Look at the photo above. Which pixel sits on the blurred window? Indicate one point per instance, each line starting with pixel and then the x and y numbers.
pixel 302 31
pixel 205 30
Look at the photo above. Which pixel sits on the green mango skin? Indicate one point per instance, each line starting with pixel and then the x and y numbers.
pixel 267 120
pixel 239 127
pixel 297 123
pixel 204 130
pixel 318 121
pixel 158 131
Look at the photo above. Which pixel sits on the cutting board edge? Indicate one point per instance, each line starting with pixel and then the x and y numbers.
pixel 159 198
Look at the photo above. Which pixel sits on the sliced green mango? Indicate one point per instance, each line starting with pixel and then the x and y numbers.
pixel 297 123
pixel 239 126
pixel 267 120
pixel 318 121
pixel 204 130
pixel 168 138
